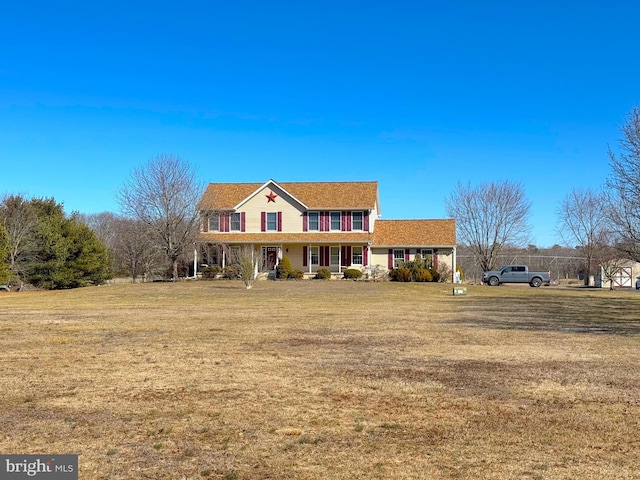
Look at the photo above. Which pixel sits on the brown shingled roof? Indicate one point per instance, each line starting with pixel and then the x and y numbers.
pixel 315 195
pixel 412 233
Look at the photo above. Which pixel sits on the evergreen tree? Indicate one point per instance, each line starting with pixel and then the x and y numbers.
pixel 69 252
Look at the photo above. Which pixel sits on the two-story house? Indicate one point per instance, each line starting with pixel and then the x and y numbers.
pixel 335 225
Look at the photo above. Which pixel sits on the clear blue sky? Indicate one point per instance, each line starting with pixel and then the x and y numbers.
pixel 416 95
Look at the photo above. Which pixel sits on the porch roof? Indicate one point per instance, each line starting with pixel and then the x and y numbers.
pixel 301 238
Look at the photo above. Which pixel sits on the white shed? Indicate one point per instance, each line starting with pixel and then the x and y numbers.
pixel 619 273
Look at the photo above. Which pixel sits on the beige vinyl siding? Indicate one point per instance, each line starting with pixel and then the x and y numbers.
pixel 380 256
pixel 291 212
pixel 295 255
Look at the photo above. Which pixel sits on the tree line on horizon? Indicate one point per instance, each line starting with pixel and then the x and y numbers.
pixel 154 235
pixel 42 247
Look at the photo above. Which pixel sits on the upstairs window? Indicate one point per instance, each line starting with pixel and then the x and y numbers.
pixel 214 222
pixel 356 221
pixel 272 222
pixel 314 221
pixel 236 223
pixel 335 221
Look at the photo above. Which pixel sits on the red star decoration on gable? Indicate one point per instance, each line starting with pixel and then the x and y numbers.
pixel 271 197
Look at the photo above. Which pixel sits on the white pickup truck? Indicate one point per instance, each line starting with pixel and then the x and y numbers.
pixel 516 274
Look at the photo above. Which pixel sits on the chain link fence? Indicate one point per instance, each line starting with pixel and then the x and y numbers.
pixel 562 268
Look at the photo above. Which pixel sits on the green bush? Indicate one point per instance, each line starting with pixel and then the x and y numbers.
pixel 210 272
pixel 231 272
pixel 284 268
pixel 323 273
pixel 352 273
pixel 297 274
pixel 401 274
pixel 435 275
pixel 422 275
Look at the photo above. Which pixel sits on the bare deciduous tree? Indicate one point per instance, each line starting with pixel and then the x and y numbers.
pixel 490 216
pixel 582 223
pixel 163 194
pixel 624 183
pixel 102 224
pixel 20 223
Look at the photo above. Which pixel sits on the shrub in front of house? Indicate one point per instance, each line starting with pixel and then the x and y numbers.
pixel 435 274
pixel 323 274
pixel 422 275
pixel 402 274
pixel 284 268
pixel 231 272
pixel 352 274
pixel 210 272
pixel 297 274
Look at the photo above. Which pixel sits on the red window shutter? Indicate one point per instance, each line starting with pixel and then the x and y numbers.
pixel 321 256
pixel 324 216
pixel 343 221
pixel 407 256
pixel 243 221
pixel 305 221
pixel 224 222
pixel 390 263
pixel 305 255
pixel 326 256
pixel 365 256
pixel 263 221
pixel 365 221
pixel 346 221
pixel 435 259
pixel 279 221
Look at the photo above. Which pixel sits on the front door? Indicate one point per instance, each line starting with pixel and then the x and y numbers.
pixel 270 256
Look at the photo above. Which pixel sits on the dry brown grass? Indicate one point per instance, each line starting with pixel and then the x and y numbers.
pixel 322 380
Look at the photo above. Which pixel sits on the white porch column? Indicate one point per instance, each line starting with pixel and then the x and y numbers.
pixel 454 265
pixel 195 260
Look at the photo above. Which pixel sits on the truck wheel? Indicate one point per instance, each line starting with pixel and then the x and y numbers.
pixel 536 282
pixel 494 281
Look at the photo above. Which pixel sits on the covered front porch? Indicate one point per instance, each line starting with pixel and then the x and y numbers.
pixel 308 258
